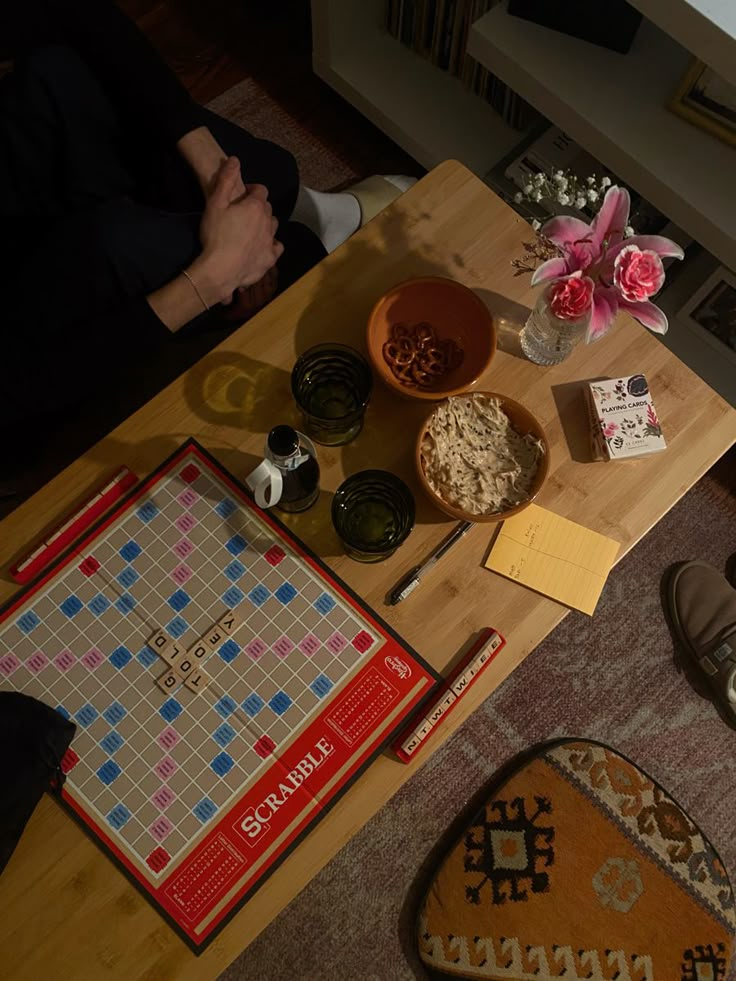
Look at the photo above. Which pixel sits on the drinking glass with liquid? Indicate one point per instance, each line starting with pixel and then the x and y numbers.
pixel 332 384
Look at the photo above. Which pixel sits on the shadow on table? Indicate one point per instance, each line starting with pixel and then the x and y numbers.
pixel 573 412
pixel 228 388
pixel 509 317
pixel 314 527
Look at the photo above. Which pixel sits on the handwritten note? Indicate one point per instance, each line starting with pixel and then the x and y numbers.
pixel 554 556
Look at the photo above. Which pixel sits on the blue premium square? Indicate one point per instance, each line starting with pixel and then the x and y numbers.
pixel 204 810
pixel 285 593
pixel 236 545
pixel 177 626
pixel 112 742
pixel 223 734
pixel 226 507
pixel 62 711
pixel 114 713
pixel 170 710
pixel 131 550
pixel 324 604
pixel 71 606
pixel 98 604
pixel 127 577
pixel 280 702
pixel 147 512
pixel 229 651
pixel 321 685
pixel 125 603
pixel 259 594
pixel 28 622
pixel 120 657
pixel 253 705
pixel 222 764
pixel 108 772
pixel 147 657
pixel 235 570
pixel 232 596
pixel 86 715
pixel 179 599
pixel 118 816
pixel 226 706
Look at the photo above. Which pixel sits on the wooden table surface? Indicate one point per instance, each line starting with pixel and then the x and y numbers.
pixel 62 902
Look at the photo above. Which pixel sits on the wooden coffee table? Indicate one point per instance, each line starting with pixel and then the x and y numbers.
pixel 62 902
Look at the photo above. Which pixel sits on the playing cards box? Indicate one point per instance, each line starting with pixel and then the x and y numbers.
pixel 624 422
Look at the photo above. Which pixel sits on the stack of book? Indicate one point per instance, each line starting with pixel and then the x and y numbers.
pixel 438 31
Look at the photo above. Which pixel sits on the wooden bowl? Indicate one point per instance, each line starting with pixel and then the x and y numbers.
pixel 454 311
pixel 523 422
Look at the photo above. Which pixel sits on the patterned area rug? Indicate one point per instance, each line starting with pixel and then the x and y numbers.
pixel 251 107
pixel 612 678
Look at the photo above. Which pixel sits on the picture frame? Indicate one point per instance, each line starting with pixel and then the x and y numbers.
pixel 711 312
pixel 708 101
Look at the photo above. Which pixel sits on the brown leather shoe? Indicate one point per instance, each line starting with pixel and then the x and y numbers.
pixel 702 609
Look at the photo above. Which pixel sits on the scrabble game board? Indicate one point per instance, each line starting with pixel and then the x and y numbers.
pixel 225 686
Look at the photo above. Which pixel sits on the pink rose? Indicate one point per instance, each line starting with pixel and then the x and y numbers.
pixel 638 273
pixel 570 298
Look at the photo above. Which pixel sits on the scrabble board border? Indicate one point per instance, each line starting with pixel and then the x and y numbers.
pixel 84 821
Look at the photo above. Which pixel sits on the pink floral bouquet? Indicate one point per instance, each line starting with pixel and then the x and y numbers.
pixel 600 270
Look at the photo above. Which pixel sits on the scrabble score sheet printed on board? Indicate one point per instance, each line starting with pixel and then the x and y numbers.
pixel 226 687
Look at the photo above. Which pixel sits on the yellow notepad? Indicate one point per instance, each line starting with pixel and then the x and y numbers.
pixel 555 556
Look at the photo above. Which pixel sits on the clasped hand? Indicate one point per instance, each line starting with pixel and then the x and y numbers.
pixel 237 233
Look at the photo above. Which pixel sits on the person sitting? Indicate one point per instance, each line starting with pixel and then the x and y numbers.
pixel 129 211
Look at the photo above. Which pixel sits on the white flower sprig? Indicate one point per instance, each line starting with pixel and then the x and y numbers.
pixel 564 188
pixel 568 190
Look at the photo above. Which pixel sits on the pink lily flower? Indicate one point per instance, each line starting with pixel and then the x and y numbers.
pixel 594 249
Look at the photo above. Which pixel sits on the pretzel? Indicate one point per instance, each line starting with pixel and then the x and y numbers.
pixel 424 334
pixel 433 360
pixel 452 352
pixel 399 352
pixel 398 331
pixel 403 373
pixel 417 357
pixel 422 378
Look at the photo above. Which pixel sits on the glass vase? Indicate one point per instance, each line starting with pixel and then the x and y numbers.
pixel 545 338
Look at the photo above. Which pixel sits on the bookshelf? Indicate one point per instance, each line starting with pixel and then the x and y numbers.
pixel 705 27
pixel 611 104
pixel 428 113
pixel 615 106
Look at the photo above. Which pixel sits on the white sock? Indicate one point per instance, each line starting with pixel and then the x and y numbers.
pixel 332 217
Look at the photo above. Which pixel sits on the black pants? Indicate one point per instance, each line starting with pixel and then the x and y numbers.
pixel 94 215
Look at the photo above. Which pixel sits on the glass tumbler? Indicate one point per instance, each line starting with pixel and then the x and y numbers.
pixel 373 513
pixel 332 384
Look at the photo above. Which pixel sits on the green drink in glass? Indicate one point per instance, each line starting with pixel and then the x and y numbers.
pixel 332 384
pixel 373 513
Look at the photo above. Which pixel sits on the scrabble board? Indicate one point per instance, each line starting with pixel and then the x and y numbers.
pixel 226 687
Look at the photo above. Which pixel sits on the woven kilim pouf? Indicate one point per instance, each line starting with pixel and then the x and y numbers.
pixel 580 866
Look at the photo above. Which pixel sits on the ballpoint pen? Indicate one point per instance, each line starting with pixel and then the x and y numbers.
pixel 412 579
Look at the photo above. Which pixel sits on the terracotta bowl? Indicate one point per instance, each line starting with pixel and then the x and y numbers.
pixel 523 422
pixel 454 311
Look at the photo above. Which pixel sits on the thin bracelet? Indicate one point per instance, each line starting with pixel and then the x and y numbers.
pixel 194 287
